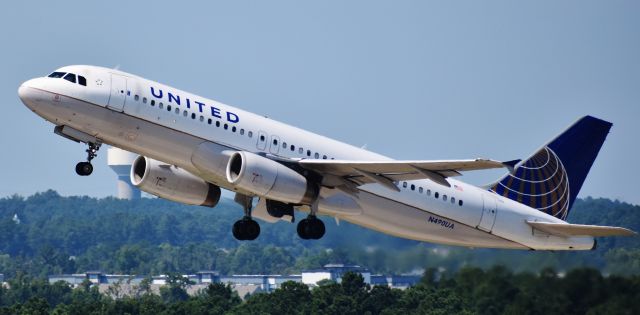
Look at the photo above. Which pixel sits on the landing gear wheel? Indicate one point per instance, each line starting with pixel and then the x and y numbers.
pixel 238 229
pixel 311 228
pixel 303 227
pixel 253 230
pixel 246 229
pixel 84 168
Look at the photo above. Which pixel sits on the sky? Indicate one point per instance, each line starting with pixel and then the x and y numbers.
pixel 408 79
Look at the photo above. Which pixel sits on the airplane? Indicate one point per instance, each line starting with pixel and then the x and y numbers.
pixel 190 147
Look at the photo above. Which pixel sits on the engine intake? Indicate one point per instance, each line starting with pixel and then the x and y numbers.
pixel 172 183
pixel 269 179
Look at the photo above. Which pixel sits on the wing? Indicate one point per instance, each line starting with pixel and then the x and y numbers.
pixel 566 229
pixel 388 172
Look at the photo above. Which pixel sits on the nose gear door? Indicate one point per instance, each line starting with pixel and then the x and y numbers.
pixel 118 95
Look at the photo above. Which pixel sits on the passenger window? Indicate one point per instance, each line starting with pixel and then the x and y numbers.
pixel 404 184
pixel 284 145
pixel 137 98
pixel 177 111
pixel 460 202
pixel 233 129
pixel 324 157
pixel 293 148
pixel 168 108
pixel 261 138
pixel 300 150
pixel 209 121
pixel 420 190
pixel 201 118
pixel 444 197
pixel 82 80
pixel 153 102
pixel 144 100
pixel 241 131
pixel 275 142
pixel 317 156
pixel 428 192
pixel 57 75
pixel 185 113
pixel 453 200
pixel 193 115
pixel 436 195
pixel 250 134
pixel 70 77
pixel 159 106
pixel 413 187
pixel 226 126
pixel 308 152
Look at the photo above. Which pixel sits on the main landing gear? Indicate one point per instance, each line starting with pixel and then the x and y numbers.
pixel 85 168
pixel 245 229
pixel 311 228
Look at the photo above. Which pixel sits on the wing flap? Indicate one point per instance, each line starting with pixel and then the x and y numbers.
pixel 567 229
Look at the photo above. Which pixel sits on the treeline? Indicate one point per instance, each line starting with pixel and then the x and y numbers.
pixel 469 291
pixel 49 234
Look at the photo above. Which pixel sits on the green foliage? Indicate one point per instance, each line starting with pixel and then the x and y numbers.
pixel 469 291
pixel 152 236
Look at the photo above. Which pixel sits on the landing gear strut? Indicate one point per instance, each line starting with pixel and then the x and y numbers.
pixel 245 229
pixel 85 168
pixel 311 228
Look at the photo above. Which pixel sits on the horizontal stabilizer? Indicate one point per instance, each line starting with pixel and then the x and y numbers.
pixel 567 229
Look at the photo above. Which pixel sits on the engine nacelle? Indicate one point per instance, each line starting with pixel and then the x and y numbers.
pixel 172 183
pixel 269 179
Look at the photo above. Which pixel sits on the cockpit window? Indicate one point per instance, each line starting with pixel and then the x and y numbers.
pixel 57 75
pixel 82 80
pixel 70 77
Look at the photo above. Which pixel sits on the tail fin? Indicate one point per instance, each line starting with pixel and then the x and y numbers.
pixel 551 178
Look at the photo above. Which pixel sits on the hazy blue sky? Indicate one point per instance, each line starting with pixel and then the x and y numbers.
pixel 411 79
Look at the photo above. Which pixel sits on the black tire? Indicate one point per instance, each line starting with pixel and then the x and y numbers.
pixel 238 230
pixel 317 229
pixel 252 230
pixel 84 168
pixel 303 229
pixel 79 169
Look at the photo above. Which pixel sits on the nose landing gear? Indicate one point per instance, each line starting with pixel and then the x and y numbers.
pixel 85 168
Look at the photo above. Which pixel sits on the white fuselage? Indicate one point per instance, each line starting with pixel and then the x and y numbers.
pixel 168 124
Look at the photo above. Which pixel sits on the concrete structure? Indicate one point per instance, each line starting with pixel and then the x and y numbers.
pixel 243 284
pixel 333 272
pixel 120 162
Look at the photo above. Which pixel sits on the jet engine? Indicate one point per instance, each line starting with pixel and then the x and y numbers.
pixel 269 179
pixel 172 183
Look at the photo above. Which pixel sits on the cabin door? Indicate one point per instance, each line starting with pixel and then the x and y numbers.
pixel 118 92
pixel 489 212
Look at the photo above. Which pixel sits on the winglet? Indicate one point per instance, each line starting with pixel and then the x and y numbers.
pixel 511 165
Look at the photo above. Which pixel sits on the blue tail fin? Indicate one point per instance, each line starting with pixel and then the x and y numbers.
pixel 551 178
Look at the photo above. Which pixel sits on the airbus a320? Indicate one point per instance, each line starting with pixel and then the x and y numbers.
pixel 190 147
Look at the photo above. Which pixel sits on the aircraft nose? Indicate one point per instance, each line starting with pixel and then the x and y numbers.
pixel 26 92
